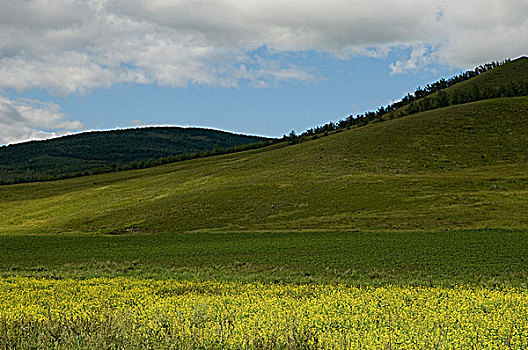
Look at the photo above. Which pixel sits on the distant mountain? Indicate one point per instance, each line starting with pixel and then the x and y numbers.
pixel 101 151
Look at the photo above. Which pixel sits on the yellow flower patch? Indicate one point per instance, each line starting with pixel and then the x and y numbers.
pixel 128 313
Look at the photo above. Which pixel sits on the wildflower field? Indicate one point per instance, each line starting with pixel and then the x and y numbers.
pixel 145 313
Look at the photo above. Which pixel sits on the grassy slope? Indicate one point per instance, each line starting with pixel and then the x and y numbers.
pixel 512 72
pixel 461 167
pixel 407 201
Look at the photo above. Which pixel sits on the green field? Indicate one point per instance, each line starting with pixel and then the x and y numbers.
pixel 423 199
pixel 488 258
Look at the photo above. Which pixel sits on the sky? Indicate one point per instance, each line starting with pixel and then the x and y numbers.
pixel 248 66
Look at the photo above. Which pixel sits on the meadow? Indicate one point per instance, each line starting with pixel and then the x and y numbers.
pixel 411 233
pixel 479 258
pixel 428 171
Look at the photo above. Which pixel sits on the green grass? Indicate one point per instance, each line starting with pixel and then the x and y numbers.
pixel 512 72
pixel 435 198
pixel 475 257
pixel 462 167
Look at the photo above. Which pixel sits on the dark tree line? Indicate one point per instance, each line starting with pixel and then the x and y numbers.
pixel 421 100
pixel 142 164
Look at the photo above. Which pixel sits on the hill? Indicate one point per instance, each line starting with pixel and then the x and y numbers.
pixel 500 79
pixel 462 166
pixel 507 80
pixel 94 152
pixel 491 80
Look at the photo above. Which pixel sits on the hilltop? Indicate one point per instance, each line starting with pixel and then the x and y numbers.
pixel 103 151
pixel 507 80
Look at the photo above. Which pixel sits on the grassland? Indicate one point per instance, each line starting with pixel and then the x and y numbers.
pixel 436 200
pixel 430 171
pixel 489 258
pixel 424 199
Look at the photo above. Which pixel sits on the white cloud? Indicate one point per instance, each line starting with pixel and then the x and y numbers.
pixel 70 46
pixel 24 119
pixel 419 58
pixel 474 32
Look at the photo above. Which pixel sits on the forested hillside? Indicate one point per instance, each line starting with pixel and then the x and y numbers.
pixel 96 152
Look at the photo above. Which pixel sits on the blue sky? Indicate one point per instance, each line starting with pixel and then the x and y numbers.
pixel 250 67
pixel 342 87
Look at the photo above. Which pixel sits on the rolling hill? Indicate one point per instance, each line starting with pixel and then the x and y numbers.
pixel 462 166
pixel 102 151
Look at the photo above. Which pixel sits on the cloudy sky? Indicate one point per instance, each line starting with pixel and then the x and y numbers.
pixel 253 66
